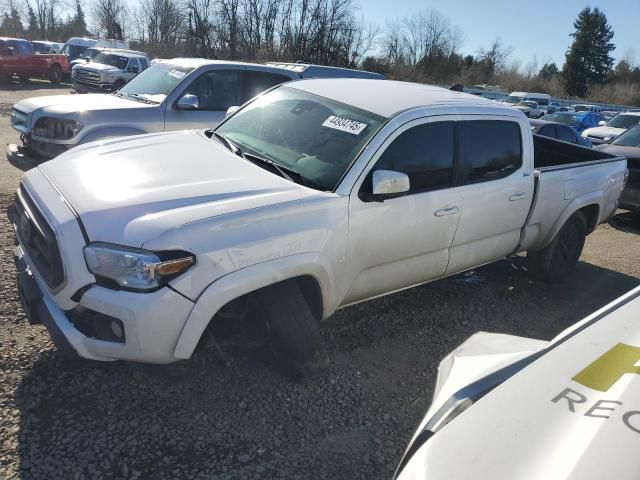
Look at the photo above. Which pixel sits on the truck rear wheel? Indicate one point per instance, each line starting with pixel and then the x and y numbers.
pixel 55 74
pixel 557 260
pixel 294 331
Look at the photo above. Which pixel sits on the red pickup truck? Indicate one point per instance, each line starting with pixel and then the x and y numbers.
pixel 18 57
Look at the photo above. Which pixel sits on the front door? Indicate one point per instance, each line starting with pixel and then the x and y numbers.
pixel 217 90
pixel 404 241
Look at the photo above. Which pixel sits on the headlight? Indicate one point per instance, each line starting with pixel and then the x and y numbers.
pixel 134 268
pixel 108 77
pixel 56 128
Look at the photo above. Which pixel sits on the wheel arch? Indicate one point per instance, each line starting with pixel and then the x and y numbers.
pixel 312 274
pixel 102 133
pixel 590 205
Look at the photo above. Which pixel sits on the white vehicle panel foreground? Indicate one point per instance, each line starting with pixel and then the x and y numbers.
pixel 570 411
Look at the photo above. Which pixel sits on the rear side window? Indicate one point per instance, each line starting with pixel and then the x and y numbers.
pixel 257 82
pixel 217 89
pixel 489 150
pixel 144 63
pixel 425 153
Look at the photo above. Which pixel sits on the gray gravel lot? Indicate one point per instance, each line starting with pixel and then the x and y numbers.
pixel 61 420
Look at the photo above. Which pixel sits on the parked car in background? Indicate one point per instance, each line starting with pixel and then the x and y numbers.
pixel 607 131
pixel 559 131
pixel 292 204
pixel 586 108
pixel 108 71
pixel 553 107
pixel 580 121
pixel 88 55
pixel 45 47
pixel 529 108
pixel 18 57
pixel 75 47
pixel 170 95
pixel 542 99
pixel 508 407
pixel 627 145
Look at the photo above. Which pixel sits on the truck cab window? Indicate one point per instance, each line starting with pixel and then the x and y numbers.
pixel 217 90
pixel 425 153
pixel 258 82
pixel 488 150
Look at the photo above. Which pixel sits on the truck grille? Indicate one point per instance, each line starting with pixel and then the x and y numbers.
pixel 88 76
pixel 38 239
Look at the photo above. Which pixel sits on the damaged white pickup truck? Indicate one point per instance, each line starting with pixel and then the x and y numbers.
pixel 313 196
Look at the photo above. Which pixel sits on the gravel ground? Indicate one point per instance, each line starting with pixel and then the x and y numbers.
pixel 246 420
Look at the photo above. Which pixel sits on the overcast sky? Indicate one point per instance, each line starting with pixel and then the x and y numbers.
pixel 534 28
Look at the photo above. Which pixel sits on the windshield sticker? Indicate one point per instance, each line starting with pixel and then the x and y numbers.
pixel 344 125
pixel 177 73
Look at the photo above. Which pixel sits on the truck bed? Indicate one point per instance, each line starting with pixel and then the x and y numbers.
pixel 552 154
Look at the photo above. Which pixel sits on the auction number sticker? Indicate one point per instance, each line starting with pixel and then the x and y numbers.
pixel 344 125
pixel 177 74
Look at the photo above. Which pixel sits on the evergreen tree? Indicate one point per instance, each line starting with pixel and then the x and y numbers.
pixel 32 29
pixel 11 25
pixel 548 71
pixel 588 60
pixel 79 24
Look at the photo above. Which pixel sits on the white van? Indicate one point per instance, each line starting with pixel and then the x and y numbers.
pixel 75 47
pixel 542 99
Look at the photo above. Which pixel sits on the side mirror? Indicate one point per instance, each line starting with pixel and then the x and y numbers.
pixel 11 51
pixel 188 102
pixel 87 59
pixel 388 182
pixel 602 123
pixel 232 110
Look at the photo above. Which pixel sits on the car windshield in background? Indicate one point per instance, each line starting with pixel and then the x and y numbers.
pixel 630 138
pixel 624 121
pixel 564 118
pixel 513 100
pixel 41 48
pixel 73 51
pixel 114 60
pixel 314 136
pixel 542 101
pixel 156 82
pixel 527 104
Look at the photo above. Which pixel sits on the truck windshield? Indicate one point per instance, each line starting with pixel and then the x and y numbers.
pixel 314 136
pixel 73 51
pixel 156 82
pixel 624 121
pixel 630 138
pixel 113 60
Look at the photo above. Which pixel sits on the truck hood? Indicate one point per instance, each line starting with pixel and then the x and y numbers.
pixel 99 67
pixel 76 104
pixel 603 132
pixel 526 427
pixel 131 190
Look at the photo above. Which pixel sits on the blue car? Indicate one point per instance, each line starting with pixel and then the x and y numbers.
pixel 580 121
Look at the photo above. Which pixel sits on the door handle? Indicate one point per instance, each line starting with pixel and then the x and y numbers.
pixel 517 196
pixel 443 212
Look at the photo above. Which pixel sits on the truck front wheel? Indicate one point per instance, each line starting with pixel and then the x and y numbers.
pixel 555 262
pixel 293 329
pixel 55 74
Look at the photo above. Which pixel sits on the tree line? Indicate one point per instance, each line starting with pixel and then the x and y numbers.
pixel 425 47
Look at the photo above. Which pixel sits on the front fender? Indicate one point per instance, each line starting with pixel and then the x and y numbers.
pixel 103 133
pixel 247 280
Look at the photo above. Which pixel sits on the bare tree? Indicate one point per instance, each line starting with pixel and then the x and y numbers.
pixel 110 17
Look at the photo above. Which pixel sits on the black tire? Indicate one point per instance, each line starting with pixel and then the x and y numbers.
pixel 24 78
pixel 55 74
pixel 295 332
pixel 555 262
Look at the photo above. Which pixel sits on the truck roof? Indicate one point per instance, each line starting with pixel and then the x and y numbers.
pixel 308 70
pixel 393 97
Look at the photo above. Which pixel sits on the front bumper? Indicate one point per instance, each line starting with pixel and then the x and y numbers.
pixel 152 322
pixel 42 150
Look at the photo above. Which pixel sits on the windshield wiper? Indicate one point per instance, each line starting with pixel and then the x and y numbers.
pixel 228 143
pixel 137 96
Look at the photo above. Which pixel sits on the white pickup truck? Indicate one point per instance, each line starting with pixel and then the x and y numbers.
pixel 313 196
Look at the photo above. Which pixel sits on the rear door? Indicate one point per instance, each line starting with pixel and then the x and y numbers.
pixel 496 186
